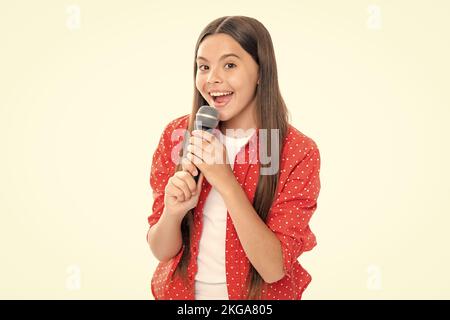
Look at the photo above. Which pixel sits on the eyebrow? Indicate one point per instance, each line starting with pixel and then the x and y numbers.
pixel 222 57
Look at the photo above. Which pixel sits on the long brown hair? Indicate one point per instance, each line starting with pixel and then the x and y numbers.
pixel 271 113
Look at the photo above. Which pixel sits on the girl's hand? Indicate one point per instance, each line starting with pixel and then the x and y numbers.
pixel 182 193
pixel 207 153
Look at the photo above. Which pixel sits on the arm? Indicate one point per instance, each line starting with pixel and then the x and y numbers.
pixel 261 245
pixel 274 246
pixel 164 234
pixel 164 238
pixel 174 194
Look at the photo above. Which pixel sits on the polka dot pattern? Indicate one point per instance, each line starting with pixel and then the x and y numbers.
pixel 295 202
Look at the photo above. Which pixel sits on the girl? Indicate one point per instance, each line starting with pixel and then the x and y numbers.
pixel 238 232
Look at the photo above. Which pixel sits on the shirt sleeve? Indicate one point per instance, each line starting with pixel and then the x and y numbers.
pixel 161 170
pixel 292 209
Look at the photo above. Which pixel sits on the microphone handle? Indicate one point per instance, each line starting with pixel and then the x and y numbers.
pixel 207 129
pixel 197 176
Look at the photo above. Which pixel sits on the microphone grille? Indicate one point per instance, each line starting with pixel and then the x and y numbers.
pixel 207 117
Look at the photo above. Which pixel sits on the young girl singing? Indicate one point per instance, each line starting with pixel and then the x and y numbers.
pixel 236 233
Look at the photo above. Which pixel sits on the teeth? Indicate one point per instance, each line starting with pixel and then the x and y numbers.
pixel 217 94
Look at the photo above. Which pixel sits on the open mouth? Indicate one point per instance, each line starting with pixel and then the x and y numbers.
pixel 221 98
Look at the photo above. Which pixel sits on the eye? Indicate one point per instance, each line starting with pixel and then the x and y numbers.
pixel 230 64
pixel 201 67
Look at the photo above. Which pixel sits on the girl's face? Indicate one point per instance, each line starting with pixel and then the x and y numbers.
pixel 227 77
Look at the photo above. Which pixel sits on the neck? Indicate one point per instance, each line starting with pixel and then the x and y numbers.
pixel 245 120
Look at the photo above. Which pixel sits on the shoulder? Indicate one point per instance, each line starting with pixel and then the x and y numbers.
pixel 297 145
pixel 168 145
pixel 299 156
pixel 178 123
pixel 174 130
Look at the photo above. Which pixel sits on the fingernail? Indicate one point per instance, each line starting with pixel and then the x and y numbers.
pixel 195 172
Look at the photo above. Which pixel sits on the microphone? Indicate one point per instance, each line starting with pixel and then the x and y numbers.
pixel 206 119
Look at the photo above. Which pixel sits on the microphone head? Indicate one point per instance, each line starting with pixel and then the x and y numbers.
pixel 207 118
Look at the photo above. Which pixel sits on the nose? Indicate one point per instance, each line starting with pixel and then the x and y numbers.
pixel 214 77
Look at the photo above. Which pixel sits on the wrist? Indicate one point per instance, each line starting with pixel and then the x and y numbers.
pixel 229 189
pixel 172 217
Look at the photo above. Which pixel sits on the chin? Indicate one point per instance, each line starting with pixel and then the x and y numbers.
pixel 224 116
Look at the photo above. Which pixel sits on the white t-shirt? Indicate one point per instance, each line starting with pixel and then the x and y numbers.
pixel 210 280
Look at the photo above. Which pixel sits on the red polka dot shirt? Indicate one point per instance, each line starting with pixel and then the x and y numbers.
pixel 294 203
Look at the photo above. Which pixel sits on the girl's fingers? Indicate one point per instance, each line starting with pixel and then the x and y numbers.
pixel 200 147
pixel 187 178
pixel 204 135
pixel 196 151
pixel 193 158
pixel 189 166
pixel 174 191
pixel 181 184
pixel 204 151
pixel 197 140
